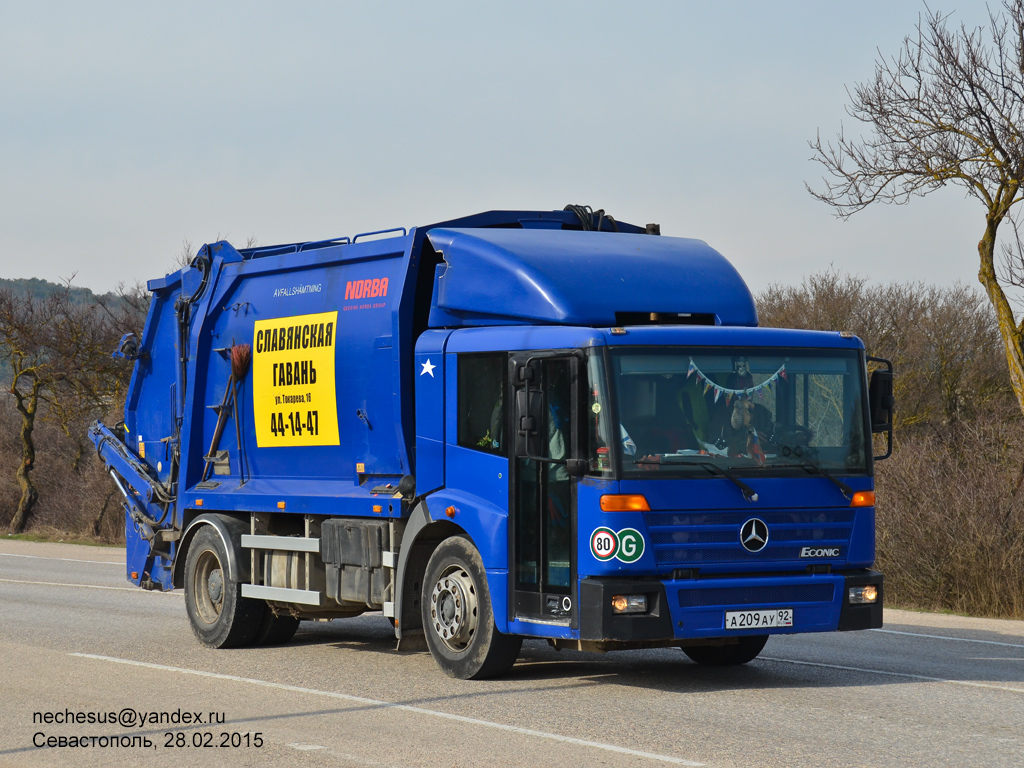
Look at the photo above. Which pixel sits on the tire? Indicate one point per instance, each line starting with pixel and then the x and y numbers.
pixel 220 616
pixel 276 630
pixel 458 620
pixel 728 655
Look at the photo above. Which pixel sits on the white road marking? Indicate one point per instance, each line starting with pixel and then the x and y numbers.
pixel 305 747
pixel 947 637
pixel 62 559
pixel 87 586
pixel 968 683
pixel 402 707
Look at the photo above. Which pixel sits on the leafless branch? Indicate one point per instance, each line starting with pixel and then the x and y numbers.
pixel 948 109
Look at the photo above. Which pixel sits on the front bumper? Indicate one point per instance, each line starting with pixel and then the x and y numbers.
pixel 695 608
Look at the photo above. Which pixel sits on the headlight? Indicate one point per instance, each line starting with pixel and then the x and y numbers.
pixel 629 604
pixel 862 595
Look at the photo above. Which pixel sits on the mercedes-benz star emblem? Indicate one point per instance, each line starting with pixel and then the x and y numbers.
pixel 754 534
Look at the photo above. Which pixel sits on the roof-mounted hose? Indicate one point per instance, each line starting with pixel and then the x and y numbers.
pixel 591 220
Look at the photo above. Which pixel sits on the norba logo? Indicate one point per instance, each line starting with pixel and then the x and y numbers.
pixel 366 289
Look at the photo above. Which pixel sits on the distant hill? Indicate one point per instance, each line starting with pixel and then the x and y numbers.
pixel 40 289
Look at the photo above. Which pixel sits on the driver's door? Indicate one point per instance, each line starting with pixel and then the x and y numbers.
pixel 543 497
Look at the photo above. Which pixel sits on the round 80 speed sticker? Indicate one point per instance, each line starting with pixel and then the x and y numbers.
pixel 604 544
pixel 627 545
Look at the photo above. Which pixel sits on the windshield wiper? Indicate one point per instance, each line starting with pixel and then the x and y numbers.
pixel 748 493
pixel 814 469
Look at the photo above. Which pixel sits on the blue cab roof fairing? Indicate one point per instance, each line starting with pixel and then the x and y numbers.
pixel 662 336
pixel 503 276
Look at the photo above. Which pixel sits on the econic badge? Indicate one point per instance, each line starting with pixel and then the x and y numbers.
pixel 293 380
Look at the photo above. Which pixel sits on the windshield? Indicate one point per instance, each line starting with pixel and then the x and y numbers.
pixel 760 409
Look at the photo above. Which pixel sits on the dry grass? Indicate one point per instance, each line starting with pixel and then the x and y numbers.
pixel 951 519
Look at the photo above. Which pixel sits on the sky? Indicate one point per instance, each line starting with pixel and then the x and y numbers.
pixel 128 129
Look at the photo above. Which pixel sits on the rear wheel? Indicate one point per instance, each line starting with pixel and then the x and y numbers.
pixel 728 655
pixel 276 630
pixel 457 617
pixel 220 616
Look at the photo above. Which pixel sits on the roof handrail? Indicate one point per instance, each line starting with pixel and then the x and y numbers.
pixel 331 241
pixel 381 232
pixel 277 250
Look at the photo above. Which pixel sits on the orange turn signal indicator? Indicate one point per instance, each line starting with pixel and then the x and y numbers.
pixel 624 502
pixel 863 499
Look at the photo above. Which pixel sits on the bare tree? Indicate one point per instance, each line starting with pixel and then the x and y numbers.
pixel 948 109
pixel 58 353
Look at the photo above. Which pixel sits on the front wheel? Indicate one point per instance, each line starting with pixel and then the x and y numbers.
pixel 458 620
pixel 220 616
pixel 728 655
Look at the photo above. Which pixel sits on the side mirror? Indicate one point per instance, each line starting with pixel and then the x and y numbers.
pixel 127 347
pixel 881 400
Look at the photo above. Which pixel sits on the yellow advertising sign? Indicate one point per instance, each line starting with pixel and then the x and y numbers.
pixel 294 396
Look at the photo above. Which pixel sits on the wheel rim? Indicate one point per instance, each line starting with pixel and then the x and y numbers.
pixel 208 587
pixel 454 609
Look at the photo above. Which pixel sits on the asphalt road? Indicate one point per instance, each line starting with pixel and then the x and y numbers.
pixel 927 690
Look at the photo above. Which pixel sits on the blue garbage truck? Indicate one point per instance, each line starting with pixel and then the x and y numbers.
pixel 516 424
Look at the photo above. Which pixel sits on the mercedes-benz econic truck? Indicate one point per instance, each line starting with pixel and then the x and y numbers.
pixel 517 424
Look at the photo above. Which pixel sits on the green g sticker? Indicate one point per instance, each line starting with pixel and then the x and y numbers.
pixel 631 545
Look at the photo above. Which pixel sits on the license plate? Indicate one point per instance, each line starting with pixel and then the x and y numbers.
pixel 782 617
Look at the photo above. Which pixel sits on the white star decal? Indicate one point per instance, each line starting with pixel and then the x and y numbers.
pixel 428 368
